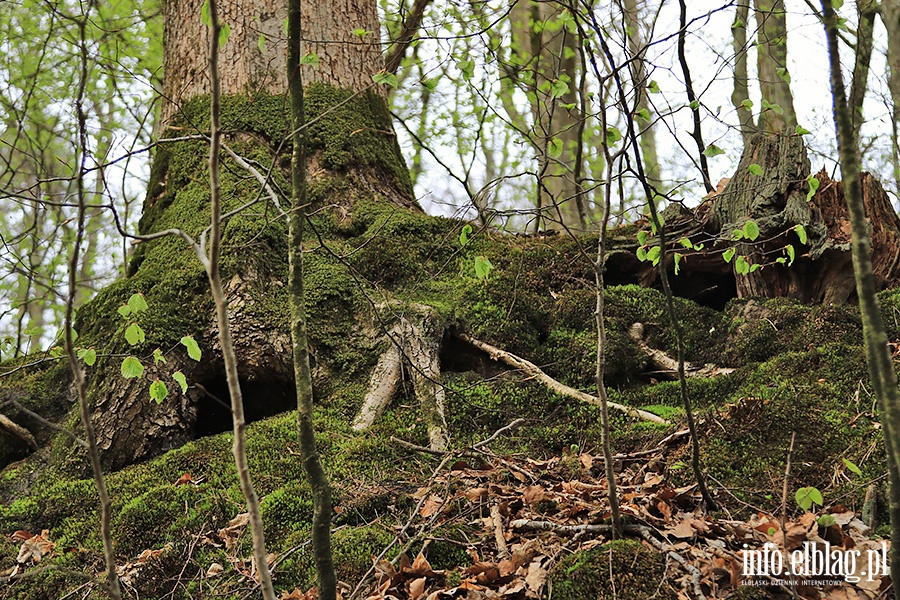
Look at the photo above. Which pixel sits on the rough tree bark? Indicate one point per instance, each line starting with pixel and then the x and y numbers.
pixel 353 152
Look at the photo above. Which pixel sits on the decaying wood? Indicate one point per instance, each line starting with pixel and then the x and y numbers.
pixel 776 200
pixel 416 340
pixel 668 365
pixel 560 388
pixel 12 429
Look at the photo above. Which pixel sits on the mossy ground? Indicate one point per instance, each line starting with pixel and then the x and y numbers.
pixel 800 369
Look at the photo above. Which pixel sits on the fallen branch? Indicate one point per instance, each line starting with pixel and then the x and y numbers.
pixel 554 385
pixel 668 365
pixel 14 430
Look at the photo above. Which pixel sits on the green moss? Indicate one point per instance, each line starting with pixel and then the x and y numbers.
pixel 608 571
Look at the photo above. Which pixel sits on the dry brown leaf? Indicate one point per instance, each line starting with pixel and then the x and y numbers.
pixel 532 494
pixel 35 548
pixel 430 506
pixel 586 460
pixel 683 530
pixel 475 494
pixel 416 588
pixel 215 570
pixel 665 509
pixel 185 478
pixel 536 576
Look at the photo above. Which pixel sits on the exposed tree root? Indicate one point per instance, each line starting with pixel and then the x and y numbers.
pixel 668 365
pixel 12 429
pixel 535 371
pixel 415 340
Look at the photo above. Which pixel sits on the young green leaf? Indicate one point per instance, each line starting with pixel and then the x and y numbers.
pixel 677 262
pixel 205 18
pixel 653 87
pixel 653 254
pixel 158 357
pixel 193 349
pixel 555 148
pixel 741 266
pixel 134 334
pixel 482 267
pixel 643 114
pixel 747 104
pixel 755 169
pixel 642 237
pixel 612 136
pixel 124 310
pixel 311 58
pixel 641 254
pixel 755 267
pixel 826 521
pixel 132 367
pixel 224 32
pixel 467 68
pixel 261 42
pixel 158 391
pixel 807 496
pixel 790 252
pixel 813 187
pixel 837 4
pixel 852 467
pixel 801 233
pixel 181 380
pixel 783 73
pixel 57 352
pixel 737 234
pixel 385 78
pixel 686 243
pixel 801 130
pixel 137 303
pixel 362 33
pixel 695 104
pixel 89 356
pixel 713 150
pixel 464 234
pixel 728 255
pixel 751 230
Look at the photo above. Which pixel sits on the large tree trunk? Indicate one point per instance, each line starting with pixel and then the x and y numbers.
pixel 353 154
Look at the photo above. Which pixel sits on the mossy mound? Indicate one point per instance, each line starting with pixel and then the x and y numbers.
pixel 618 569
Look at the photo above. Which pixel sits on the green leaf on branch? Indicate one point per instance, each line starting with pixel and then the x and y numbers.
pixel 311 58
pixel 801 233
pixel 137 303
pixel 737 234
pixel 813 187
pixel 751 230
pixel 783 73
pixel 88 355
pixel 385 78
pixel 653 87
pixel 801 130
pixel 361 33
pixel 193 349
pixel 261 42
pixel 686 243
pixel 132 367
pixel 807 496
pixel 653 255
pixel 483 267
pixel 612 136
pixel 134 334
pixel 467 68
pixel 641 254
pixel 181 380
pixel 741 266
pixel 642 237
pixel 57 352
pixel 837 4
pixel 747 104
pixel 643 114
pixel 158 357
pixel 464 234
pixel 158 391
pixel 713 150
pixel 677 262
pixel 755 169
pixel 224 33
pixel 790 252
pixel 205 18
pixel 555 148
pixel 852 467
pixel 695 104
